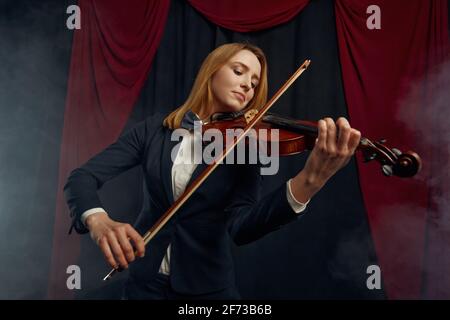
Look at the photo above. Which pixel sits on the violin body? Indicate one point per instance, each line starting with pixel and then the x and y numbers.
pixel 289 141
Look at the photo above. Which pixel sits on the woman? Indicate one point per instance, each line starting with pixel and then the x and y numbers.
pixel 190 257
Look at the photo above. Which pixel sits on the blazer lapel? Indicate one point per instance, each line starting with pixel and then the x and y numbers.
pixel 198 170
pixel 166 165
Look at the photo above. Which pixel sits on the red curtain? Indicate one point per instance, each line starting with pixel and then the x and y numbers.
pixel 111 57
pixel 382 70
pixel 250 15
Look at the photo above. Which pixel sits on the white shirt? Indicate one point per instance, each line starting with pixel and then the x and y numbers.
pixel 182 170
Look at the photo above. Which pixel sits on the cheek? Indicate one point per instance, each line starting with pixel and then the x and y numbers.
pixel 251 94
pixel 216 86
pixel 220 83
pixel 229 78
pixel 251 97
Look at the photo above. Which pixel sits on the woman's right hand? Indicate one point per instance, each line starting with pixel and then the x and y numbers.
pixel 113 238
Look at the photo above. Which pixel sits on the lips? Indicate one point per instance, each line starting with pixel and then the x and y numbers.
pixel 240 96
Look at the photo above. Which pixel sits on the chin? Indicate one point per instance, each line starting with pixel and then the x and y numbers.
pixel 235 107
pixel 230 109
pixel 232 106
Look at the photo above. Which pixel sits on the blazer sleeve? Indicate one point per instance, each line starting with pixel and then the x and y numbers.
pixel 250 216
pixel 82 184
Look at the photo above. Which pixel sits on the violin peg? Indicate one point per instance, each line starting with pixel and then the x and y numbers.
pixel 397 152
pixel 369 156
pixel 382 141
pixel 387 170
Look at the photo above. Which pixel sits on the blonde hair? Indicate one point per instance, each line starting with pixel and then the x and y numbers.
pixel 200 99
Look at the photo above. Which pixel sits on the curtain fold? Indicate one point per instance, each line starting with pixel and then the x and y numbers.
pixel 111 57
pixel 383 73
pixel 250 15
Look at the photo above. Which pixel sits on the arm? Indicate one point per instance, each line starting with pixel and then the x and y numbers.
pixel 81 187
pixel 335 145
pixel 251 216
pixel 81 194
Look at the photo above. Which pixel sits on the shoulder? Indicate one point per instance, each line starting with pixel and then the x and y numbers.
pixel 148 125
pixel 155 120
pixel 143 131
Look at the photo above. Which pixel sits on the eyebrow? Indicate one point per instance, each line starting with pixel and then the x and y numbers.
pixel 246 67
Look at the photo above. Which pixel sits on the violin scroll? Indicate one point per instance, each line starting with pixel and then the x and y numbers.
pixel 393 161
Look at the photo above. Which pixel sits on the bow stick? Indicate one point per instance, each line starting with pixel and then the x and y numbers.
pixel 211 167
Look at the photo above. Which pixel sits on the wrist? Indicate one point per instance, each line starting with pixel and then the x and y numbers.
pixel 94 218
pixel 304 186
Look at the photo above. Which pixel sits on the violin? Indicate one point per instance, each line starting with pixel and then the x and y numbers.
pixel 296 136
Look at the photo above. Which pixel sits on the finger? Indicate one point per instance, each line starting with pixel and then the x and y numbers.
pixel 331 136
pixel 117 250
pixel 137 240
pixel 322 135
pixel 344 133
pixel 104 246
pixel 124 242
pixel 355 138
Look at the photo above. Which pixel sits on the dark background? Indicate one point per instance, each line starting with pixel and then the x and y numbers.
pixel 323 256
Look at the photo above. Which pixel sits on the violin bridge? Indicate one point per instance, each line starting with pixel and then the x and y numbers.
pixel 250 114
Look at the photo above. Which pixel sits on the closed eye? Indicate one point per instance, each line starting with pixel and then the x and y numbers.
pixel 239 73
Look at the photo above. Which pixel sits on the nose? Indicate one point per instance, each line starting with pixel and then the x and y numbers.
pixel 246 84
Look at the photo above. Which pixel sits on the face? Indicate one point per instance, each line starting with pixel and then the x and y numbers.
pixel 233 85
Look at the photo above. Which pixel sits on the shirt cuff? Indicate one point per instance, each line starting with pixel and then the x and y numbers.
pixel 296 205
pixel 87 213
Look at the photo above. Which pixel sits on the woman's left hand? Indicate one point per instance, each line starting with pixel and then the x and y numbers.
pixel 335 145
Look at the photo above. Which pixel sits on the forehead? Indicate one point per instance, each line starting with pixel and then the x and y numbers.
pixel 249 59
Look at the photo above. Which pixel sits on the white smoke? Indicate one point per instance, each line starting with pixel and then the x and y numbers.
pixel 433 138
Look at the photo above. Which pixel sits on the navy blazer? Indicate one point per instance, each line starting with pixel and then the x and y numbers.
pixel 228 205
